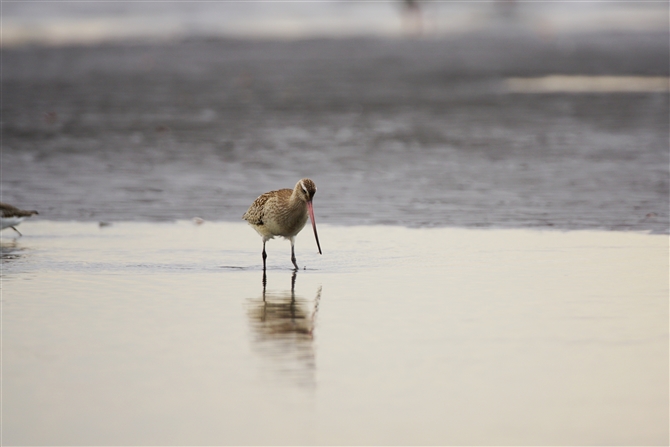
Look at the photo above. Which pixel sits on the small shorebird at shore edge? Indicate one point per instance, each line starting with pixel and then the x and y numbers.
pixel 283 213
pixel 10 216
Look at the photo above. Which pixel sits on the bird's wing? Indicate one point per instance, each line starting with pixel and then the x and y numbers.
pixel 254 214
pixel 266 204
pixel 7 210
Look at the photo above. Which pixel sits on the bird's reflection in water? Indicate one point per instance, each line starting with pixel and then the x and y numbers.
pixel 283 332
pixel 9 250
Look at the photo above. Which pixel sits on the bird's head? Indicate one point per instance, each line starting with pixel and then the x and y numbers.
pixel 305 189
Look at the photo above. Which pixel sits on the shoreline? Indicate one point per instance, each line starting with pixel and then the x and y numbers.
pixel 198 222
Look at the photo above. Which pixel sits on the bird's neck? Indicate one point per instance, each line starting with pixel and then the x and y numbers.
pixel 295 203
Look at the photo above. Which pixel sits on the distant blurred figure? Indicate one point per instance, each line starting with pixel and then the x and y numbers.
pixel 506 8
pixel 10 216
pixel 412 21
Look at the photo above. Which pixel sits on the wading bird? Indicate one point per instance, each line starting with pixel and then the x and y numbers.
pixel 10 216
pixel 283 213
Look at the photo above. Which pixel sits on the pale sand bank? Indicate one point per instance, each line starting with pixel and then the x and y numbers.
pixel 142 333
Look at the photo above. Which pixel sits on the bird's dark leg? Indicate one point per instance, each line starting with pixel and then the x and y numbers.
pixel 265 256
pixel 295 264
pixel 13 228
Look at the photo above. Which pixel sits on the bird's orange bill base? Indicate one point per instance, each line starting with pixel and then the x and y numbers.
pixel 311 216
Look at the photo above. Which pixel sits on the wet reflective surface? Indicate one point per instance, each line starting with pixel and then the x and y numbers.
pixel 170 333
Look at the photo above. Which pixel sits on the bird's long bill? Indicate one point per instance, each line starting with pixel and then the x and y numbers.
pixel 311 216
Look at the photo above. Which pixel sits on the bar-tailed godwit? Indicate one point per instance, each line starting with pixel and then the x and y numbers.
pixel 283 213
pixel 10 216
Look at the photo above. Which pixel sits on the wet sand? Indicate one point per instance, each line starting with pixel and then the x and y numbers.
pixel 163 333
pixel 414 132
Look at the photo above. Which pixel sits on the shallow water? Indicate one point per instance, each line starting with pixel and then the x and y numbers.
pixel 164 333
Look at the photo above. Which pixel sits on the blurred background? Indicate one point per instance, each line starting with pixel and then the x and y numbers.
pixel 495 114
pixel 99 21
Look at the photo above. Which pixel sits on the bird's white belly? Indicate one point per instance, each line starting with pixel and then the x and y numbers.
pixel 7 222
pixel 271 228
